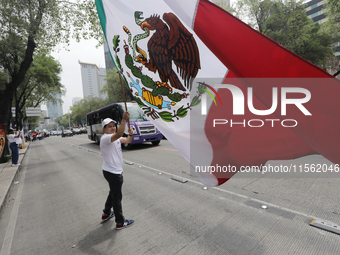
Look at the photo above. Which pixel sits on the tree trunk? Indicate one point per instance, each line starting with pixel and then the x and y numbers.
pixel 6 96
pixel 5 114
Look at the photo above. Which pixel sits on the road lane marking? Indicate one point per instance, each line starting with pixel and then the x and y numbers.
pixel 164 149
pixel 232 193
pixel 237 195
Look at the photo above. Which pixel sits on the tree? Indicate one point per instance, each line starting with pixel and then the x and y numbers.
pixel 53 126
pixel 224 5
pixel 28 26
pixel 290 26
pixel 63 120
pixel 333 26
pixel 286 22
pixel 33 122
pixel 253 11
pixel 84 106
pixel 333 11
pixel 41 84
pixel 112 88
pixel 2 80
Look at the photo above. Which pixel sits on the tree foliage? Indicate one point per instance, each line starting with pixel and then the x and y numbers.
pixel 113 89
pixel 84 106
pixel 254 12
pixel 290 26
pixel 63 120
pixel 226 7
pixel 41 84
pixel 333 11
pixel 286 22
pixel 28 27
pixel 333 27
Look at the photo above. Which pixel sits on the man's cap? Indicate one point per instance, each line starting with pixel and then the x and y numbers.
pixel 107 121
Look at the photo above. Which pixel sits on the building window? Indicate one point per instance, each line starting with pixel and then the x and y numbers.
pixel 316 14
pixel 315 5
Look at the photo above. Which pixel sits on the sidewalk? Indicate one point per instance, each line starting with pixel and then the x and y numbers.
pixel 7 176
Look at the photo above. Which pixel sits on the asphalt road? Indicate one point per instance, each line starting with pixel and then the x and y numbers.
pixel 56 206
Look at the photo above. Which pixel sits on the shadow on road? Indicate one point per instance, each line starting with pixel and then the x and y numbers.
pixel 97 236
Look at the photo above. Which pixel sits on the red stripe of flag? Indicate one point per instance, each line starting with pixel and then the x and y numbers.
pixel 249 54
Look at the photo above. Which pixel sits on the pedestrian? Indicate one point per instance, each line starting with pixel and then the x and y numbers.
pixel 12 140
pixel 34 136
pixel 19 142
pixel 110 147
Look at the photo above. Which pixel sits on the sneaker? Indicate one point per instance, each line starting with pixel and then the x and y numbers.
pixel 106 217
pixel 126 223
pixel 15 164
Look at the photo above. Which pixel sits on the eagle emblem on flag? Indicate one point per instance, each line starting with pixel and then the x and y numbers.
pixel 172 54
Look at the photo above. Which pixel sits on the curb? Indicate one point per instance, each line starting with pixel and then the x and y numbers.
pixel 7 177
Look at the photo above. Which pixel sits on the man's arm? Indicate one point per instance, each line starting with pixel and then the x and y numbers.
pixel 18 134
pixel 129 138
pixel 121 128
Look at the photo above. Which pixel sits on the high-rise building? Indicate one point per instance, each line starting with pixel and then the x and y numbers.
pixel 54 110
pixel 315 9
pixel 92 79
pixel 108 60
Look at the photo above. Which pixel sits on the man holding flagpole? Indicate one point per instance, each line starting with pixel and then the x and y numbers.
pixel 110 146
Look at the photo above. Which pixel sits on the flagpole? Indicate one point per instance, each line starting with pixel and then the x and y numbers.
pixel 121 83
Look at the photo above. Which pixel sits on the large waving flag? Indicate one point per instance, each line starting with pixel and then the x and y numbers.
pixel 173 53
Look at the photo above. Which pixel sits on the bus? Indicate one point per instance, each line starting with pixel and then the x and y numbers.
pixel 144 130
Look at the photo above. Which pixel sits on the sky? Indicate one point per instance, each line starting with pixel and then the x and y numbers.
pixel 85 51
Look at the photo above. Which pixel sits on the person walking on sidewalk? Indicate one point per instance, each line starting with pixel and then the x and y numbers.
pixel 12 140
pixel 111 149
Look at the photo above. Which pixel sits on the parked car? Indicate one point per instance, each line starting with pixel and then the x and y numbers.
pixel 76 131
pixel 66 133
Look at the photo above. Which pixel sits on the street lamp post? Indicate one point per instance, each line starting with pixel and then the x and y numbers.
pixel 69 121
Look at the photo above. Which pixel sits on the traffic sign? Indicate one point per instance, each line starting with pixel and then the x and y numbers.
pixel 33 111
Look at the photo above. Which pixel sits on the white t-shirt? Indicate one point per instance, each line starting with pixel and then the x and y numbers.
pixel 112 154
pixel 11 138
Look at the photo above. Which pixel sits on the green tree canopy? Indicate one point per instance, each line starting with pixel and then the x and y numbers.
pixel 254 12
pixel 41 84
pixel 333 27
pixel 28 27
pixel 286 22
pixel 333 11
pixel 113 89
pixel 290 26
pixel 84 106
pixel 63 120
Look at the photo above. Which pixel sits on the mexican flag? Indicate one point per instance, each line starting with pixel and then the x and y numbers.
pixel 223 94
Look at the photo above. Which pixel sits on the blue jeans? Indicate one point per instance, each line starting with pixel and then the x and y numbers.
pixel 114 199
pixel 15 153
